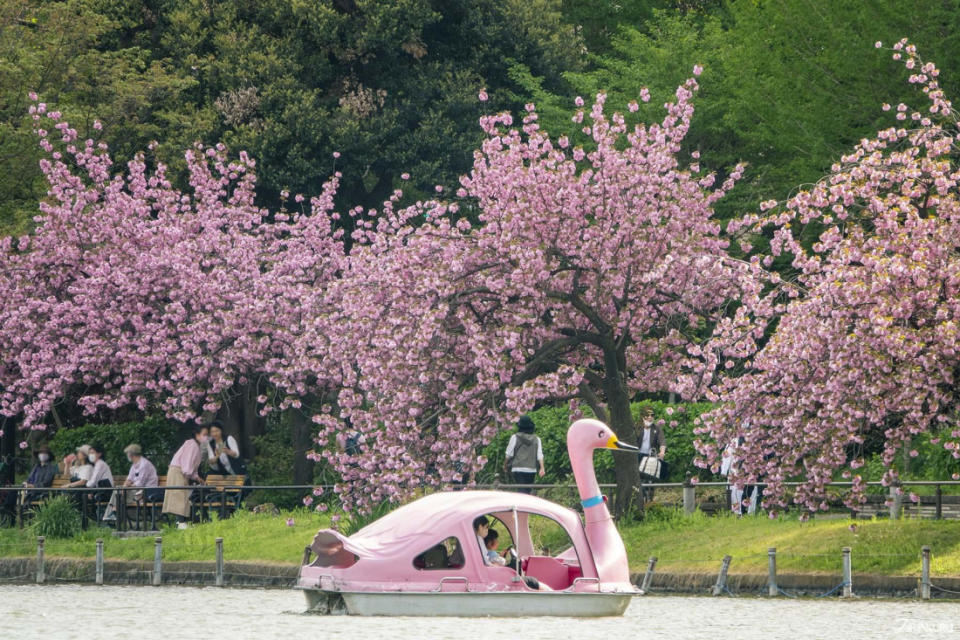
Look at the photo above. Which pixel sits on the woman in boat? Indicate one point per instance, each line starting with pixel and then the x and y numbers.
pixel 481 526
pixel 183 470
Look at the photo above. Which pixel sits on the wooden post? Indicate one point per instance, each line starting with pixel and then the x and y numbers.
pixel 689 496
pixel 939 512
pixel 721 585
pixel 847 574
pixel 772 589
pixel 896 500
pixel 99 574
pixel 925 573
pixel 219 542
pixel 648 576
pixel 41 573
pixel 157 561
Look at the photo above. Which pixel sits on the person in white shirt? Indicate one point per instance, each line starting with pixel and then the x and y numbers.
pixel 223 455
pixel 101 476
pixel 79 469
pixel 481 526
pixel 142 474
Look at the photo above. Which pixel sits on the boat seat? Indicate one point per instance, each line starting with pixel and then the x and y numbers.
pixel 549 571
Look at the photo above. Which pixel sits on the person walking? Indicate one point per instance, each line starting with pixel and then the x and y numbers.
pixel 183 470
pixel 653 448
pixel 524 455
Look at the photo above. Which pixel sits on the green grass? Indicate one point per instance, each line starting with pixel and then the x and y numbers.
pixel 689 544
pixel 247 537
pixel 697 543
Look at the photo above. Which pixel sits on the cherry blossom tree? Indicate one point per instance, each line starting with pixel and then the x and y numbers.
pixel 586 274
pixel 132 292
pixel 867 339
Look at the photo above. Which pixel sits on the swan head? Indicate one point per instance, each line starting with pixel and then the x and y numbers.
pixel 589 434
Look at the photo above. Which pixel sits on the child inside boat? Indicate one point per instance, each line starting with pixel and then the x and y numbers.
pixel 492 540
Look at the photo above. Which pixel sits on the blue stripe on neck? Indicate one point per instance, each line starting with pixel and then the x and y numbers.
pixel 592 502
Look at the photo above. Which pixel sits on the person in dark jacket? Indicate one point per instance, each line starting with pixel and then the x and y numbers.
pixel 524 455
pixel 42 474
pixel 652 445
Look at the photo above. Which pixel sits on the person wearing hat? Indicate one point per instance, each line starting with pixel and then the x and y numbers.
pixel 524 455
pixel 142 475
pixel 78 466
pixel 41 475
pixel 652 445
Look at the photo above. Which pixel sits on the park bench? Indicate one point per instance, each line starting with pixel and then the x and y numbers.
pixel 224 493
pixel 100 497
pixel 145 505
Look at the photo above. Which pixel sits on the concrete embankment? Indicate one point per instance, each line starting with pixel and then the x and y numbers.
pixel 251 575
pixel 808 585
pixel 235 574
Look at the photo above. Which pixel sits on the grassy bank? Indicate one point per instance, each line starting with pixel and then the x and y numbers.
pixel 697 543
pixel 247 537
pixel 684 544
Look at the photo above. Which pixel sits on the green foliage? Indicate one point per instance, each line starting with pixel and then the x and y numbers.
pixel 273 464
pixel 552 424
pixel 391 85
pixel 788 85
pixel 56 517
pixel 158 439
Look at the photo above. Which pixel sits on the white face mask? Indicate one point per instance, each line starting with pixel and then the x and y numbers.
pixel 43 457
pixel 92 458
pixel 204 439
pixel 648 423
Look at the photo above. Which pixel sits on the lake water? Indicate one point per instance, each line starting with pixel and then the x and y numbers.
pixel 172 613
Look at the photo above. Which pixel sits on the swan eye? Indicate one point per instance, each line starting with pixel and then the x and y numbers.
pixel 600 435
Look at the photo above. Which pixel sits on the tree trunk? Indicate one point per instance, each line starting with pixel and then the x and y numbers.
pixel 241 419
pixel 302 442
pixel 8 447
pixel 626 466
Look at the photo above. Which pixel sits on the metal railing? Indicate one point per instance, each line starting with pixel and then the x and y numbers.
pixel 224 500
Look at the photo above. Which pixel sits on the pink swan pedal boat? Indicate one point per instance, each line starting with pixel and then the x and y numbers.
pixel 424 558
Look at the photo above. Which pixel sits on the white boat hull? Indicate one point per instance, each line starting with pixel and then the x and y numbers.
pixel 467 604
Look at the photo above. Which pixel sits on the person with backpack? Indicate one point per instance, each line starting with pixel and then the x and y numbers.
pixel 524 455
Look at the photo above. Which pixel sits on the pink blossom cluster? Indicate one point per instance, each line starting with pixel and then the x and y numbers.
pixel 133 292
pixel 868 332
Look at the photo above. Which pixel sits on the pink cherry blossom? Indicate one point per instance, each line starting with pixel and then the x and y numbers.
pixel 867 341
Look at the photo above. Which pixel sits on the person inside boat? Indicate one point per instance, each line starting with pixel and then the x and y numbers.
pixel 492 541
pixel 481 526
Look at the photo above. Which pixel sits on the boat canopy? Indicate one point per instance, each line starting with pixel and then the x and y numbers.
pixel 404 529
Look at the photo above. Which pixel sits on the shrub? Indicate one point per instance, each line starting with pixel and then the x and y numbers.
pixel 158 438
pixel 56 518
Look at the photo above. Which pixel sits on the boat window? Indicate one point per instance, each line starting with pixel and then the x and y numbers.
pixel 553 561
pixel 547 536
pixel 447 554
